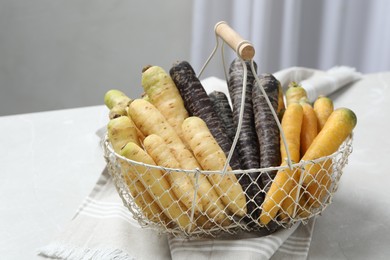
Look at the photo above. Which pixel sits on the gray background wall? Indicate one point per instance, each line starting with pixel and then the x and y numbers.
pixel 67 53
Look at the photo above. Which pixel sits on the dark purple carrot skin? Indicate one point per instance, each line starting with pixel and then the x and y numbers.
pixel 198 103
pixel 247 145
pixel 266 126
pixel 224 111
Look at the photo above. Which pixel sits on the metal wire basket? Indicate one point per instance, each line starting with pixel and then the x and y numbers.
pixel 306 202
pixel 207 225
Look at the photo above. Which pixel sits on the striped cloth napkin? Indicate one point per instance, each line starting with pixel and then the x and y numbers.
pixel 103 228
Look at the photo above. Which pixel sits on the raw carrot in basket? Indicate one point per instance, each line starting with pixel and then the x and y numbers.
pixel 309 125
pixel 267 129
pixel 308 133
pixel 292 126
pixel 316 191
pixel 150 121
pixel 120 132
pixel 158 185
pixel 247 145
pixel 164 95
pixel 323 107
pixel 198 103
pixel 180 182
pixel 294 93
pixel 117 102
pixel 212 158
pixel 224 111
pixel 286 178
pixel 337 128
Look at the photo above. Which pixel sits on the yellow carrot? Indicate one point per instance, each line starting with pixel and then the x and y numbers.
pixel 294 93
pixel 303 209
pixel 117 102
pixel 309 125
pixel 212 158
pixel 164 95
pixel 337 128
pixel 159 187
pixel 142 196
pixel 316 190
pixel 323 107
pixel 149 120
pixel 121 131
pixel 180 182
pixel 286 178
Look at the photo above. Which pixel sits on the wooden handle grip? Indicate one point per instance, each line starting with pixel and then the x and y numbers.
pixel 243 48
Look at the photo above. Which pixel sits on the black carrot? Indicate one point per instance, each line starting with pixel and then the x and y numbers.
pixel 247 146
pixel 224 111
pixel 198 103
pixel 266 126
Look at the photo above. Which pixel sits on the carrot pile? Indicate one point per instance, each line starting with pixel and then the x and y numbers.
pixel 176 125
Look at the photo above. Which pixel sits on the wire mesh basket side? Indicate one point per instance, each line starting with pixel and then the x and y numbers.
pixel 146 209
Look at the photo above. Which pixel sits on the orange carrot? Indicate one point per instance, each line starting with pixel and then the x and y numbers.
pixel 337 128
pixel 286 178
pixel 323 107
pixel 309 125
pixel 317 190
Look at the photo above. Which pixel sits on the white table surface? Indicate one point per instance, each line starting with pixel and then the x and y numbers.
pixel 50 161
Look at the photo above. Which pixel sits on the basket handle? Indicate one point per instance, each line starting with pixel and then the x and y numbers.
pixel 243 48
pixel 246 52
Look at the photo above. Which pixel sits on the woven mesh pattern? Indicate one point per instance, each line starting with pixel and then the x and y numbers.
pixel 157 198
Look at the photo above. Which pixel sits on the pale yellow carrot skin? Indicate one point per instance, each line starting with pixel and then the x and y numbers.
pixel 158 186
pixel 142 197
pixel 121 131
pixel 149 120
pixel 180 182
pixel 117 102
pixel 211 157
pixel 164 95
pixel 294 93
pixel 286 179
